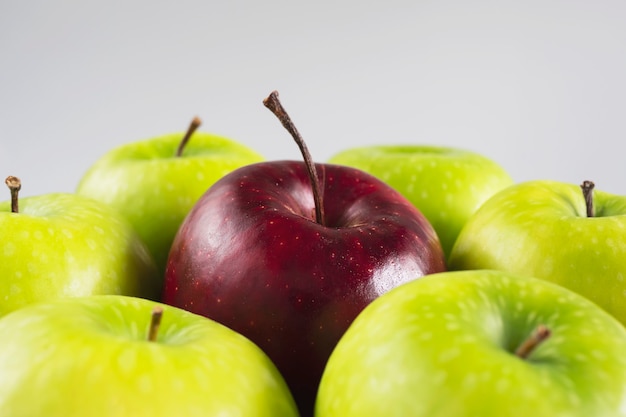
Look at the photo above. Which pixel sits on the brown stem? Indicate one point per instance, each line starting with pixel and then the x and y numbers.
pixel 587 187
pixel 527 347
pixel 15 185
pixel 193 126
pixel 273 103
pixel 155 322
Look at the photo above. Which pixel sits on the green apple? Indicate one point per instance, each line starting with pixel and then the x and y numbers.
pixel 446 184
pixel 155 182
pixel 478 343
pixel 541 228
pixel 105 356
pixel 60 244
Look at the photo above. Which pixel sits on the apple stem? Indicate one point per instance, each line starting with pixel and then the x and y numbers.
pixel 193 126
pixel 587 187
pixel 540 334
pixel 155 322
pixel 15 185
pixel 273 103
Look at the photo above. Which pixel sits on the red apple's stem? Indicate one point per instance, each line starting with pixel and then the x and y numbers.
pixel 540 334
pixel 273 103
pixel 587 187
pixel 193 126
pixel 15 185
pixel 155 322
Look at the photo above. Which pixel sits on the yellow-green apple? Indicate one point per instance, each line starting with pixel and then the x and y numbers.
pixel 289 252
pixel 59 244
pixel 446 184
pixel 155 182
pixel 545 229
pixel 105 356
pixel 478 343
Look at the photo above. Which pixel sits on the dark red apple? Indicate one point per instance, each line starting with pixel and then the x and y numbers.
pixel 264 254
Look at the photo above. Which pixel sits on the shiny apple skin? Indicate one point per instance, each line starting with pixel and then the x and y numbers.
pixel 251 256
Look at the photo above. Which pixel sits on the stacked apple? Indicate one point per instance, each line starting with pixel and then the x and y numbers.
pixel 288 253
pixel 63 244
pixel 112 355
pixel 154 183
pixel 447 184
pixel 478 343
pixel 572 235
pixel 190 277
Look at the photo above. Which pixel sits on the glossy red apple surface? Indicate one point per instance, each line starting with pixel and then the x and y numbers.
pixel 253 255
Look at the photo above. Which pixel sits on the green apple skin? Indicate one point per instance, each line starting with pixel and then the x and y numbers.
pixel 540 228
pixel 154 189
pixel 442 346
pixel 446 184
pixel 90 356
pixel 64 245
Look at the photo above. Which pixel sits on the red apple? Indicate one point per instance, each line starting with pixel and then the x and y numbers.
pixel 289 256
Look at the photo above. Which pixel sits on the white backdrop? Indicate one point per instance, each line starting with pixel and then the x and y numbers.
pixel 537 85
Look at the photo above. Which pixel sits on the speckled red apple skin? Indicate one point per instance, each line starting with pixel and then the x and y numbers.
pixel 251 256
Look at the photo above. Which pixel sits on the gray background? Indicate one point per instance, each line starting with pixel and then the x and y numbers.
pixel 539 86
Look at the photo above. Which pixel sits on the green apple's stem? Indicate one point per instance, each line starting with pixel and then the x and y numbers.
pixel 587 187
pixel 273 103
pixel 540 334
pixel 193 126
pixel 155 322
pixel 15 185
